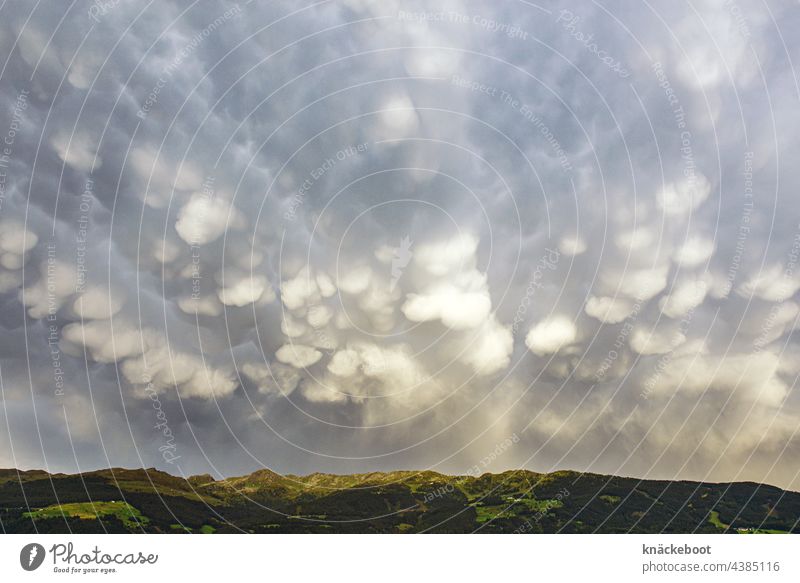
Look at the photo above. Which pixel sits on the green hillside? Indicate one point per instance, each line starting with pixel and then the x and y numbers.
pixel 123 500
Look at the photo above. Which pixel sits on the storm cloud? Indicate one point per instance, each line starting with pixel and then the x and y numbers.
pixel 353 236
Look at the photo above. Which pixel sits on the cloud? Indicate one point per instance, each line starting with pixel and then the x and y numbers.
pixel 246 290
pixel 694 251
pixel 275 379
pixel 639 284
pixel 204 219
pixel 773 284
pixel 684 297
pixel 551 335
pixel 751 376
pixel 104 340
pixel 684 196
pixel 649 341
pixel 56 282
pixel 609 310
pixel 406 269
pixel 455 292
pixel 202 306
pixel 355 280
pixel 572 245
pixel 297 355
pixel 490 348
pixel 345 363
pixel 300 290
pixel 98 303
pixel 77 150
pixel 455 307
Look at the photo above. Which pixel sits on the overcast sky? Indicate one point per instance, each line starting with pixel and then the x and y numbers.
pixel 365 235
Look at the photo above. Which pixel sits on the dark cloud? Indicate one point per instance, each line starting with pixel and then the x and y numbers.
pixel 372 235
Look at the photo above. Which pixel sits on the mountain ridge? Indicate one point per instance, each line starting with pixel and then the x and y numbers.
pixel 151 500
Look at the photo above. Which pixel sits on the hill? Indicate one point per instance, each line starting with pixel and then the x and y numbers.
pixel 149 500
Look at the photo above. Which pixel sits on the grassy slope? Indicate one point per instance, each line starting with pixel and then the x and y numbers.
pixel 121 500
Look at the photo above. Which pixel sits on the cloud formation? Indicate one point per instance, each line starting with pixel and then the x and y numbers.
pixel 317 234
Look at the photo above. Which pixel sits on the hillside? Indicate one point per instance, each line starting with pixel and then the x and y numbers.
pixel 148 500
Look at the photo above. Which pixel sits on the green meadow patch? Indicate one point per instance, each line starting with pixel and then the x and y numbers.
pixel 127 514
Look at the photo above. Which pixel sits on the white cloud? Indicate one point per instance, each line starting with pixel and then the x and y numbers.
pixel 344 363
pixel 490 348
pixel 319 316
pixel 102 340
pixel 325 285
pixel 277 379
pixel 398 117
pixel 443 258
pixel 291 327
pixel 299 291
pixel 77 150
pixel 456 308
pixel 684 297
pixel 453 290
pixel 161 175
pixel 551 335
pixel 572 245
pixel 752 377
pixel 684 196
pixel 772 284
pixel 355 280
pixel 247 290
pixel 694 251
pixel 201 305
pixel 642 237
pixel 650 341
pixel 641 284
pixel 56 283
pixel 609 310
pixel 16 239
pixel 204 219
pixel 98 303
pixel 298 355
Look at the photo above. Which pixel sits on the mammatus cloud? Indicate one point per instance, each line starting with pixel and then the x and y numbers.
pixel 551 335
pixel 371 238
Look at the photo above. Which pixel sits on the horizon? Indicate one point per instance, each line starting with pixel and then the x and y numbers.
pixel 405 471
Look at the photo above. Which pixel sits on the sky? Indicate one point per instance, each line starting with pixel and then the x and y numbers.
pixel 351 236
